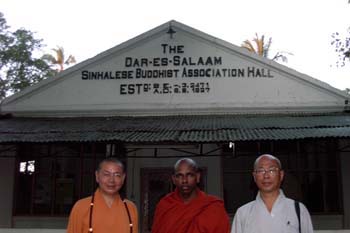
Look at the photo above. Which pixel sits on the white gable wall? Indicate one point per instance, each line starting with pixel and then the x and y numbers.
pixel 230 80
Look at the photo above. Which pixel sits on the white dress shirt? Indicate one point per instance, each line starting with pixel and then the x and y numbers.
pixel 254 217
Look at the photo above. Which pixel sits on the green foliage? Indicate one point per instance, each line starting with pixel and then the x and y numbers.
pixel 19 68
pixel 342 47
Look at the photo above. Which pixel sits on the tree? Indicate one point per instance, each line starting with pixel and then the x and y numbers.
pixel 19 68
pixel 59 58
pixel 4 42
pixel 262 49
pixel 342 47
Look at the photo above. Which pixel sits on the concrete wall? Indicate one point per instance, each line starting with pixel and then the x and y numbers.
pixel 40 222
pixel 327 222
pixel 6 194
pixel 17 230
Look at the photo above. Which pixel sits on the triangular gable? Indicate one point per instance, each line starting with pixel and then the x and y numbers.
pixel 175 69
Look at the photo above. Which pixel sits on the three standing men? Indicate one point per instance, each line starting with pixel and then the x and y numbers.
pixel 188 209
pixel 272 211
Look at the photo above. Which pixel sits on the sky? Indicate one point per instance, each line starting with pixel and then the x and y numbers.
pixel 85 28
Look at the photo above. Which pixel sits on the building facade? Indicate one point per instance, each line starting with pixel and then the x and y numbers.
pixel 168 93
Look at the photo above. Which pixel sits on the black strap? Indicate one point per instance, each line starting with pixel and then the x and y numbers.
pixel 92 209
pixel 297 210
pixel 130 221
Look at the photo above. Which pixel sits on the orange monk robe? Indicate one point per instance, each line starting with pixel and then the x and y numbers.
pixel 204 214
pixel 104 219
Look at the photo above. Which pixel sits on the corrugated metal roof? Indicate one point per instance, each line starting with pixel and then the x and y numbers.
pixel 158 129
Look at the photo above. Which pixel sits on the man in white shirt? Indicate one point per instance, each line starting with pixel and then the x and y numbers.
pixel 271 212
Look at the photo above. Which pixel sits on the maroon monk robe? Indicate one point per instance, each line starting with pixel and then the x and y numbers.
pixel 204 214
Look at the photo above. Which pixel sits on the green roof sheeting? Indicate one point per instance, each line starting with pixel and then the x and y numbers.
pixel 177 129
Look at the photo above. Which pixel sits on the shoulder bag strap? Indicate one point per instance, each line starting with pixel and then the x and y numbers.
pixel 297 210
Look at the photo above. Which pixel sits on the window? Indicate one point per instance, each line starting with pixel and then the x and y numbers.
pixel 312 174
pixel 54 176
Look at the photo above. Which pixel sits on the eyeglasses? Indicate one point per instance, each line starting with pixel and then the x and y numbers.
pixel 271 171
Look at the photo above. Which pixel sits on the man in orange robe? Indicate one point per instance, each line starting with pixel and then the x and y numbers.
pixel 105 211
pixel 188 209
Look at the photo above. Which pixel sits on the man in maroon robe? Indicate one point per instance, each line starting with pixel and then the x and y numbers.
pixel 188 209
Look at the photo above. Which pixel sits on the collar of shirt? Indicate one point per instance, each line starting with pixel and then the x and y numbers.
pixel 275 206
